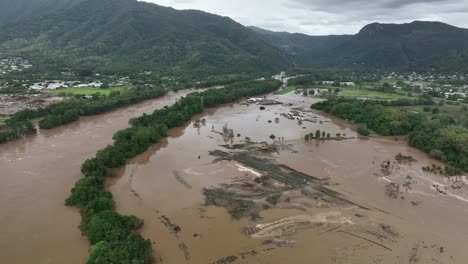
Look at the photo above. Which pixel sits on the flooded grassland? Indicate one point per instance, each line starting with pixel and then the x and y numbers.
pixel 241 185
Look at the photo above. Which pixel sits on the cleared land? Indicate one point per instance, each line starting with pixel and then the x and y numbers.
pixel 86 91
pixel 287 90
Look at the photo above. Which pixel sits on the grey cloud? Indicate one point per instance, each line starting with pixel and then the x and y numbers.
pixel 349 5
pixel 321 17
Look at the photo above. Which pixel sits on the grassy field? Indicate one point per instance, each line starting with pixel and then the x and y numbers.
pixel 458 112
pixel 86 91
pixel 2 122
pixel 287 90
pixel 361 93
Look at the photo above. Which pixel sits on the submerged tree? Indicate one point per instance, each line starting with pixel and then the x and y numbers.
pixel 317 133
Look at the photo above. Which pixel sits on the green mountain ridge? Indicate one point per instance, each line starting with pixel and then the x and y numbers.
pixel 12 11
pixel 416 45
pixel 303 48
pixel 130 36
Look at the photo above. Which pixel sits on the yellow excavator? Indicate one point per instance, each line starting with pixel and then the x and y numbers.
pixel 265 147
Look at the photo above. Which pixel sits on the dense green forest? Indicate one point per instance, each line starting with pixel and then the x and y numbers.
pixel 112 235
pixel 304 49
pixel 416 46
pixel 433 133
pixel 129 36
pixel 12 11
pixel 70 110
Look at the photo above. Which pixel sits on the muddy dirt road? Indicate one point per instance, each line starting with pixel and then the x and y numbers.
pixel 36 175
pixel 200 208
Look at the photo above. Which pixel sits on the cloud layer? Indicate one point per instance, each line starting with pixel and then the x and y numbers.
pixel 324 17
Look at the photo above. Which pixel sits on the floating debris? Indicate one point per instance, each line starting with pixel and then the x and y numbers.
pixel 235 206
pixel 226 260
pixel 175 229
pixel 311 186
pixel 392 190
pixel 270 102
pixel 180 179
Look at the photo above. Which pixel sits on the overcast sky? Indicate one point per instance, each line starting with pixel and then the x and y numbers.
pixel 324 17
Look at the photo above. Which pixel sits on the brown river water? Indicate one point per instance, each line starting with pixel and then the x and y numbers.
pixel 37 174
pixel 424 222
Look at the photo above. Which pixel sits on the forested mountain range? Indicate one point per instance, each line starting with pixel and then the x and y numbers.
pixel 304 49
pixel 416 45
pixel 129 36
pixel 12 11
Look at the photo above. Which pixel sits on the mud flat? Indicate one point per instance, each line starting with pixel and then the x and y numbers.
pixel 293 201
pixel 36 175
pixel 10 104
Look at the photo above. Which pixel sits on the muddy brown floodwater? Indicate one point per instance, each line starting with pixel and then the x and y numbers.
pixel 207 197
pixel 384 210
pixel 37 174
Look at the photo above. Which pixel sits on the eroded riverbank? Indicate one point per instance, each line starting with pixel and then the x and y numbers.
pixel 166 185
pixel 36 175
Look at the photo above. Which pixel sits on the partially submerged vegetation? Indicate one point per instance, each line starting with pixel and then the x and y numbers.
pixel 68 111
pixel 235 206
pixel 112 235
pixel 448 171
pixel 310 186
pixel 400 158
pixel 322 135
pixel 437 135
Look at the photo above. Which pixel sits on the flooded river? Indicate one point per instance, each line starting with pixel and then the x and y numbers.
pixel 205 196
pixel 394 212
pixel 37 174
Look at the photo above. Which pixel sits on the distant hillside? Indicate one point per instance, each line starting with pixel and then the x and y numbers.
pixel 384 46
pixel 306 50
pixel 12 11
pixel 129 36
pixel 391 45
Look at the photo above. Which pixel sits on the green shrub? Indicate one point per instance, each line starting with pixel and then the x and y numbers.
pixel 107 226
pixel 362 130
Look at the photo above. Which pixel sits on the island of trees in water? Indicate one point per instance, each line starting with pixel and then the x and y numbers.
pixel 112 236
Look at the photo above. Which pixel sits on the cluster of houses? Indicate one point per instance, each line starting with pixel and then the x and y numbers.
pixel 415 77
pixel 54 85
pixel 348 84
pixel 13 64
pixel 58 84
pixel 438 83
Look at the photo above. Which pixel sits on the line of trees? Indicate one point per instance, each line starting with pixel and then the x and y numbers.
pixel 437 135
pixel 112 235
